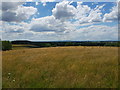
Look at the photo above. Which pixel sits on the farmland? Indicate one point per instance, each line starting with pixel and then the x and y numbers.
pixel 61 67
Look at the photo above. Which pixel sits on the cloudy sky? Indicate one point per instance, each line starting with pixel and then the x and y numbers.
pixel 54 21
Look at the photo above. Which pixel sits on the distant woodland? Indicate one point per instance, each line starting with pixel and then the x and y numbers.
pixel 7 45
pixel 69 43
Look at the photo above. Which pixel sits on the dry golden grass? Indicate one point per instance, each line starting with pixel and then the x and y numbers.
pixel 22 46
pixel 61 67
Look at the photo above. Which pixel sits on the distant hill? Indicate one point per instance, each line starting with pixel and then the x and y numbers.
pixel 21 42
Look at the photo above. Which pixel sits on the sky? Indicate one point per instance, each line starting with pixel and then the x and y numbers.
pixel 58 21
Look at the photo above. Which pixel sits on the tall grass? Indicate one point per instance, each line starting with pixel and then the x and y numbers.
pixel 61 67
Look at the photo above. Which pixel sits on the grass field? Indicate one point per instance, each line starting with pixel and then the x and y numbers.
pixel 61 67
pixel 23 46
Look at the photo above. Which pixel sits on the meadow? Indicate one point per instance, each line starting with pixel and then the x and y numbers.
pixel 60 67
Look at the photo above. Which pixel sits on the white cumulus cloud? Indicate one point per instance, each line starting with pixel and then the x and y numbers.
pixel 113 15
pixel 64 11
pixel 15 12
pixel 50 24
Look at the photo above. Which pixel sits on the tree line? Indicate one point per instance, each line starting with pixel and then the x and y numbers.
pixel 6 45
pixel 70 43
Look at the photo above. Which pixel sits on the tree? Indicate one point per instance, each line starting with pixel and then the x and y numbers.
pixel 6 45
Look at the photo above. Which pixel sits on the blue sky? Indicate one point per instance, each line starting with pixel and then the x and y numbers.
pixel 47 10
pixel 55 21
